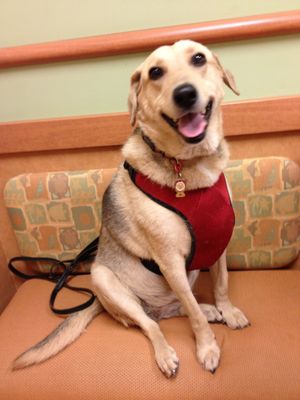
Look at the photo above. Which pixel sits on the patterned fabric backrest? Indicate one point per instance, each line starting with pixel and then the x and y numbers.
pixel 57 214
pixel 266 201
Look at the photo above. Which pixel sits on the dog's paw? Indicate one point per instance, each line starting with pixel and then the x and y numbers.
pixel 209 356
pixel 233 316
pixel 211 313
pixel 167 361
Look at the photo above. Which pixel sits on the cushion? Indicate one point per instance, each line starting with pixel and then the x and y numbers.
pixel 266 201
pixel 111 362
pixel 56 214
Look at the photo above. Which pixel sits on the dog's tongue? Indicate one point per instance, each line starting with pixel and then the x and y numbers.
pixel 192 125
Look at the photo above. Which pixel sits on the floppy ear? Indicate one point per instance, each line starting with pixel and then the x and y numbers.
pixel 133 95
pixel 227 76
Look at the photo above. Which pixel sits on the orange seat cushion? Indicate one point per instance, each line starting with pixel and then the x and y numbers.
pixel 111 362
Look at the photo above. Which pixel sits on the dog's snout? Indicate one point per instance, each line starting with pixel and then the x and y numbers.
pixel 185 95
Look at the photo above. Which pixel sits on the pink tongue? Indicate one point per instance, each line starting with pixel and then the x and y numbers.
pixel 192 125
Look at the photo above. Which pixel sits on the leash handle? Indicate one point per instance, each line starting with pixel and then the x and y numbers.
pixel 60 278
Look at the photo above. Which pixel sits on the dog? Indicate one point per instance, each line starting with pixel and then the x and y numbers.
pixel 148 251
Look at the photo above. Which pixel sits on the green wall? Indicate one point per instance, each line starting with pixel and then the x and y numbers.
pixel 263 68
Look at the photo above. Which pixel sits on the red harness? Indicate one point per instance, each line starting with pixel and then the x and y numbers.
pixel 207 212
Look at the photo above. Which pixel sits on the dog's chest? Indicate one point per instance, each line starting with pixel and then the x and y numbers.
pixel 207 213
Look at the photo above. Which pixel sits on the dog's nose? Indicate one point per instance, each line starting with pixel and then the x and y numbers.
pixel 185 95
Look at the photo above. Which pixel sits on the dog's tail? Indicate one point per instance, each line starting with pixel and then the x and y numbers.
pixel 68 331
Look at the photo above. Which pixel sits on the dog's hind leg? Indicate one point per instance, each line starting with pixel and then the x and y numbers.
pixel 124 306
pixel 232 316
pixel 176 310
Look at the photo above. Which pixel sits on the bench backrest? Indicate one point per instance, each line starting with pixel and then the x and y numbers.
pixel 56 214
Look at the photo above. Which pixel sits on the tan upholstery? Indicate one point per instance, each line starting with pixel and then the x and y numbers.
pixel 112 362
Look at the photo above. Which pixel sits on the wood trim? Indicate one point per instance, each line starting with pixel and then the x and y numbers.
pixel 282 23
pixel 64 133
pixel 261 116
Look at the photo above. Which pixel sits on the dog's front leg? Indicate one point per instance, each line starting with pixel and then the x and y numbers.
pixel 232 316
pixel 208 352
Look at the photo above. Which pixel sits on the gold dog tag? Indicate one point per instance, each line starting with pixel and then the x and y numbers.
pixel 180 188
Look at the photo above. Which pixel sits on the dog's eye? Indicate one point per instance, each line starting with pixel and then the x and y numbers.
pixel 155 73
pixel 198 59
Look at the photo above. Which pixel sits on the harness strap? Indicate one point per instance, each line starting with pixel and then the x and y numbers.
pixel 151 265
pixel 207 213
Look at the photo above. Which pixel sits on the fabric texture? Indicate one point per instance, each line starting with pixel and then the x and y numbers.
pixel 266 201
pixel 56 214
pixel 261 362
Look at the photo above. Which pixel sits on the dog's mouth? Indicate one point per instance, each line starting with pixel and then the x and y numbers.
pixel 191 126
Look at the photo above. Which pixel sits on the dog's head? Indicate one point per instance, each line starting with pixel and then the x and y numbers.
pixel 175 98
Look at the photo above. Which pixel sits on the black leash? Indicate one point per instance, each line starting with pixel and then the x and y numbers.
pixel 61 278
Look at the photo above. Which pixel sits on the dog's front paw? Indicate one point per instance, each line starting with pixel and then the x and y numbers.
pixel 167 361
pixel 233 316
pixel 209 355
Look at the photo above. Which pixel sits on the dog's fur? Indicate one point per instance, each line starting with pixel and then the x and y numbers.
pixel 136 227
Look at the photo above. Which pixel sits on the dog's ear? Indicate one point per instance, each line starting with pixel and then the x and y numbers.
pixel 227 76
pixel 135 84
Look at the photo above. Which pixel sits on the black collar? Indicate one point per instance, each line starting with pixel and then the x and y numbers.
pixel 177 165
pixel 152 146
